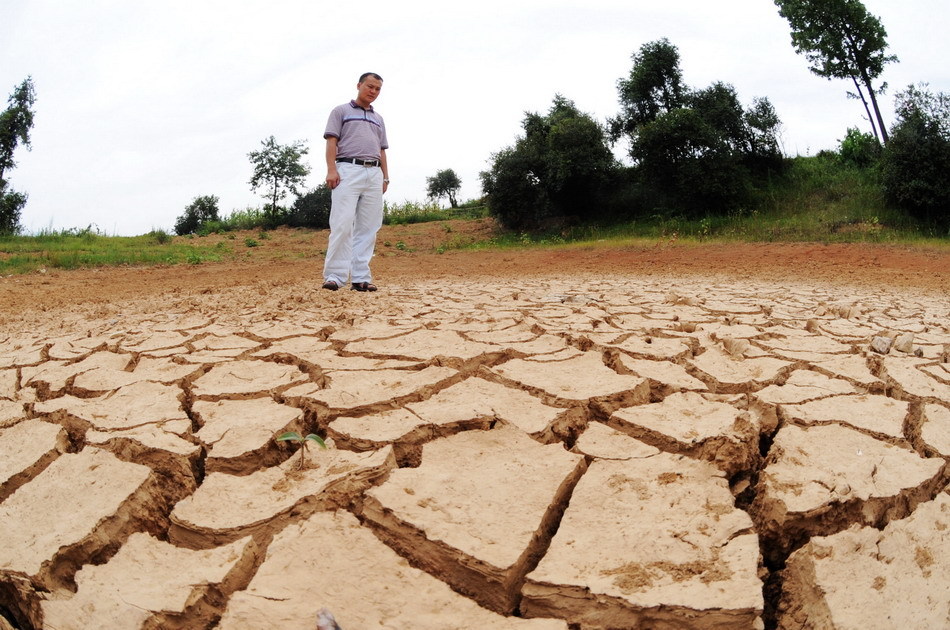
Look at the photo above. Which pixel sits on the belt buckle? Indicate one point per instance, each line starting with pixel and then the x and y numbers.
pixel 369 162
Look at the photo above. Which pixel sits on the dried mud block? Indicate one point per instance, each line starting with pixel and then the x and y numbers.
pixel 914 382
pixel 700 426
pixel 246 378
pixel 226 507
pixel 727 374
pixel 232 345
pixel 313 351
pixel 153 585
pixel 361 388
pixel 935 430
pixel 26 449
pixel 803 386
pixel 8 384
pixel 652 347
pixel 54 376
pixel 866 579
pixel 650 543
pixel 577 379
pixel 76 508
pixel 330 561
pixel 853 368
pixel 22 352
pixel 879 415
pixel 601 442
pixel 819 480
pixel 135 405
pixel 150 342
pixel 73 348
pixel 159 446
pixel 478 398
pixel 476 513
pixel 670 377
pixel 237 433
pixel 163 371
pixel 526 342
pixel 421 345
pixel 804 347
pixel 11 413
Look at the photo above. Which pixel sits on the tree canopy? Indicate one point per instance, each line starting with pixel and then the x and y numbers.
pixel 559 168
pixel 841 40
pixel 444 184
pixel 278 170
pixel 15 125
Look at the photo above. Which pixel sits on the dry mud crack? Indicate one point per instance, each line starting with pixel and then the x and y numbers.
pixel 604 454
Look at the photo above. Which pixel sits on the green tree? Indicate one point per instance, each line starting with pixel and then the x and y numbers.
pixel 560 168
pixel 197 213
pixel 915 163
pixel 278 170
pixel 312 209
pixel 841 40
pixel 444 184
pixel 654 87
pixel 15 124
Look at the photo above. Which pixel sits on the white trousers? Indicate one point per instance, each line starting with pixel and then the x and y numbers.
pixel 356 214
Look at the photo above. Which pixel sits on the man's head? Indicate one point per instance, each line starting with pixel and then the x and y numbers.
pixel 368 88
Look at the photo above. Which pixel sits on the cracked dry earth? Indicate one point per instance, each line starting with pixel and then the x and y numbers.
pixel 626 452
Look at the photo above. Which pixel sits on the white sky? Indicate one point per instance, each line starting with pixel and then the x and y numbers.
pixel 142 107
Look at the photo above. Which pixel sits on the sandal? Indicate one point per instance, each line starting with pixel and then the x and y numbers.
pixel 364 286
pixel 331 285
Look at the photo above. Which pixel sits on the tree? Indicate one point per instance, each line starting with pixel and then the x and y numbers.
pixel 278 170
pixel 841 40
pixel 15 124
pixel 561 167
pixel 197 213
pixel 915 163
pixel 654 87
pixel 312 209
pixel 444 184
pixel 694 150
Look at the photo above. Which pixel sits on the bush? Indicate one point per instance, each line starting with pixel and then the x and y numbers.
pixel 859 149
pixel 312 209
pixel 11 203
pixel 200 211
pixel 916 159
pixel 558 169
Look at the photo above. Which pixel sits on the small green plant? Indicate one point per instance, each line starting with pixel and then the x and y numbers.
pixel 401 246
pixel 250 242
pixel 293 436
pixel 194 258
pixel 263 235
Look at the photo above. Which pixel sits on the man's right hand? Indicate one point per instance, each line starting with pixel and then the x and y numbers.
pixel 333 178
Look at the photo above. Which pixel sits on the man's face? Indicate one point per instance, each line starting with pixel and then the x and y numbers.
pixel 368 90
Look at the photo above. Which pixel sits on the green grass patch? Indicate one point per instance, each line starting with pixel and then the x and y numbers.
pixel 72 249
pixel 411 212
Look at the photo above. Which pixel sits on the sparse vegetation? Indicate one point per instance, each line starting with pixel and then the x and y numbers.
pixel 293 436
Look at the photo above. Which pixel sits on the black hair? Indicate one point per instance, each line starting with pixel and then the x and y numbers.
pixel 364 76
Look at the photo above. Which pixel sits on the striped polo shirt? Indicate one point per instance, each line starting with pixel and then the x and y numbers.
pixel 361 132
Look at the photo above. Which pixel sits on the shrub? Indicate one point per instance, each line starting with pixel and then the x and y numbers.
pixel 198 212
pixel 916 159
pixel 859 149
pixel 312 209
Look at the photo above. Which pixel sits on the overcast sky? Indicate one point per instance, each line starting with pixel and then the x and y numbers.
pixel 143 106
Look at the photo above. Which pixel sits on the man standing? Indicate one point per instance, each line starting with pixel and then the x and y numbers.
pixel 358 176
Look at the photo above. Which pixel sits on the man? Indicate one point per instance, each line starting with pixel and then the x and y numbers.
pixel 358 176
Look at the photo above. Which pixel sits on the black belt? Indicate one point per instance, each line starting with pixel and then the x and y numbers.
pixel 359 161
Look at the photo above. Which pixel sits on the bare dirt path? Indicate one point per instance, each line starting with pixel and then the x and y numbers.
pixel 663 436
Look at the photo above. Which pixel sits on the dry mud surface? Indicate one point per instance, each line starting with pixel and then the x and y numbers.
pixel 513 444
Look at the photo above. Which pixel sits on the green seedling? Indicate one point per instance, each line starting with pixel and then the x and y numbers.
pixel 293 436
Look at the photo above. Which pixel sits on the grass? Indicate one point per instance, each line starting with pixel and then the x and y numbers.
pixel 818 200
pixel 71 249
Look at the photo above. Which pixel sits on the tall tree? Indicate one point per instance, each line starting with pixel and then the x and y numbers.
pixel 278 170
pixel 654 87
pixel 15 124
pixel 841 40
pixel 444 184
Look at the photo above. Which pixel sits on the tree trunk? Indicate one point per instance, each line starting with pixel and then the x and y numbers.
pixel 867 109
pixel 877 110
